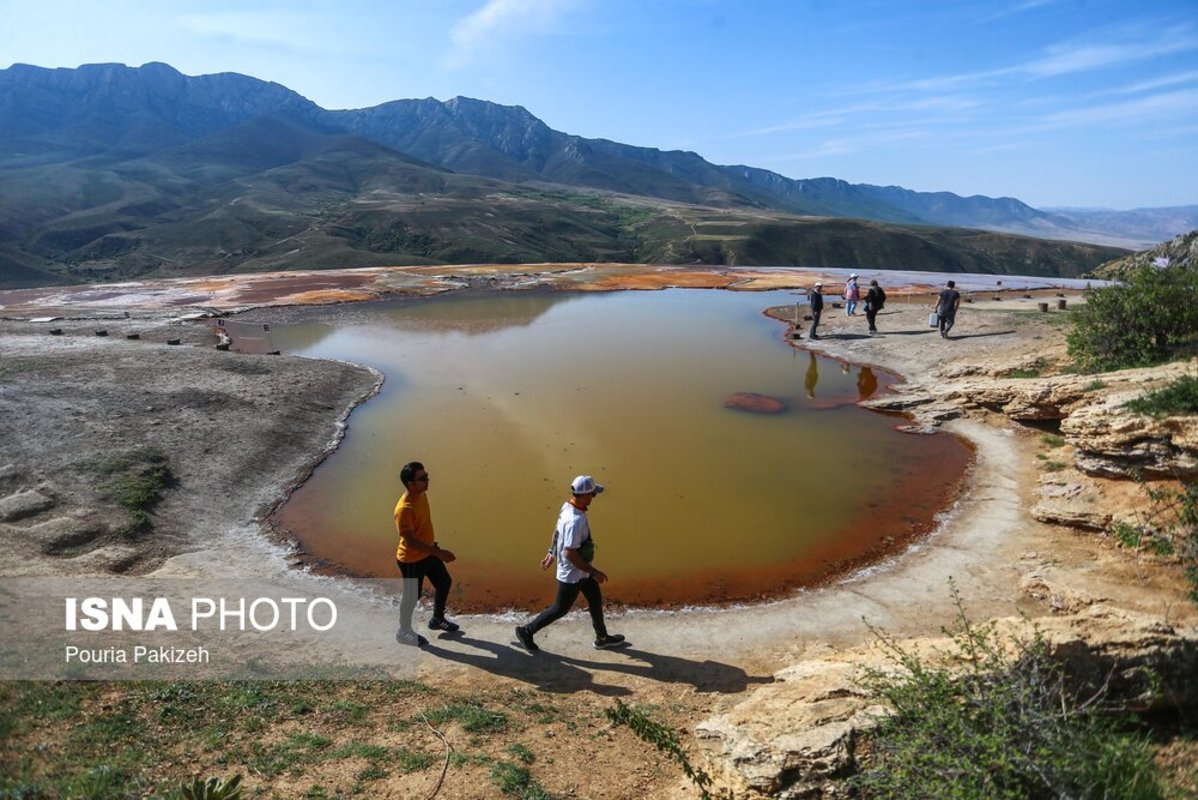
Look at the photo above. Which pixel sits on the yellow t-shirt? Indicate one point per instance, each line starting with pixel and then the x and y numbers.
pixel 414 519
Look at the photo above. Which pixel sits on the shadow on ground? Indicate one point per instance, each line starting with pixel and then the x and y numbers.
pixel 552 672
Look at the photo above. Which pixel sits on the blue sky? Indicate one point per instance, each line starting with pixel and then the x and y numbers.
pixel 1054 102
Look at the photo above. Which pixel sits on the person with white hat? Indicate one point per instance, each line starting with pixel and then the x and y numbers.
pixel 816 299
pixel 851 295
pixel 574 552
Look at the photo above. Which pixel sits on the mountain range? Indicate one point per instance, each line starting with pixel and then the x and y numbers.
pixel 109 172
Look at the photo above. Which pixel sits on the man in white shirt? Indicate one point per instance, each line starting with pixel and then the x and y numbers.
pixel 574 552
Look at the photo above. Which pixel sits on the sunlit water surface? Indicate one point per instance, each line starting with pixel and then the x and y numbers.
pixel 507 396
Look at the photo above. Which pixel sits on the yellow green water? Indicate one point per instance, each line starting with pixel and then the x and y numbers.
pixel 507 396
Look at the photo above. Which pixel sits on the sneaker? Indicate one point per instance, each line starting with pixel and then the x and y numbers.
pixel 410 638
pixel 611 640
pixel 525 637
pixel 436 624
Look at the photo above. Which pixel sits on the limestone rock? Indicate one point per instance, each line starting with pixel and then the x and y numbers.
pixel 1060 599
pixel 1025 399
pixel 56 533
pixel 897 402
pixel 23 504
pixel 755 403
pixel 1071 503
pixel 792 738
pixel 1111 442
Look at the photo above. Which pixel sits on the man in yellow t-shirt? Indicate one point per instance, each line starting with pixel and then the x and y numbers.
pixel 419 556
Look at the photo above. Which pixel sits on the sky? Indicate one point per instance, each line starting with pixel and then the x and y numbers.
pixel 1059 103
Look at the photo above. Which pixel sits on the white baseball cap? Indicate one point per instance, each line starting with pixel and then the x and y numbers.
pixel 853 275
pixel 585 484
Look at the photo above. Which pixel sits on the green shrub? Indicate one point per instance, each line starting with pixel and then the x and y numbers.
pixel 471 715
pixel 1137 538
pixel 516 781
pixel 135 480
pixel 1033 369
pixel 1136 322
pixel 1006 724
pixel 212 789
pixel 1179 397
pixel 1173 514
pixel 664 738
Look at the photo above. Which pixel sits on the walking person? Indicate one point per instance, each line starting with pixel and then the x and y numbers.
pixel 419 556
pixel 946 307
pixel 852 294
pixel 875 298
pixel 574 551
pixel 816 298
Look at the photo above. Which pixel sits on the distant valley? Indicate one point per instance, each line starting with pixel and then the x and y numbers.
pixel 111 173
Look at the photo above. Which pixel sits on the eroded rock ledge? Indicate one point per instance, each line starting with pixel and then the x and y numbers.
pixel 1109 441
pixel 1102 439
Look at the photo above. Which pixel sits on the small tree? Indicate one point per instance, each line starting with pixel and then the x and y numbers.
pixel 1138 321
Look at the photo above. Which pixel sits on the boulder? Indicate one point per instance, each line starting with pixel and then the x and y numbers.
pixel 1111 442
pixel 1073 503
pixel 26 503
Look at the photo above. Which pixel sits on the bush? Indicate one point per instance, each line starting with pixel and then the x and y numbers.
pixel 1172 517
pixel 1007 723
pixel 1179 397
pixel 664 738
pixel 1136 322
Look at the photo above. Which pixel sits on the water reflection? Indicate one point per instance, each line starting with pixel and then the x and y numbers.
pixel 812 376
pixel 867 383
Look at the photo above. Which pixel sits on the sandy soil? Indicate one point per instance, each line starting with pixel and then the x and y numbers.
pixel 241 430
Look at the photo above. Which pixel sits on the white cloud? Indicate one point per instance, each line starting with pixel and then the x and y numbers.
pixel 832 117
pixel 853 144
pixel 1141 111
pixel 285 30
pixel 477 34
pixel 1099 51
pixel 1020 8
pixel 1156 83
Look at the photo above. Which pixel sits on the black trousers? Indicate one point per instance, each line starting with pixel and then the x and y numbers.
pixel 414 574
pixel 567 593
pixel 815 315
pixel 871 317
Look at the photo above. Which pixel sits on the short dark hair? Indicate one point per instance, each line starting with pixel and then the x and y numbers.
pixel 408 472
pixel 951 284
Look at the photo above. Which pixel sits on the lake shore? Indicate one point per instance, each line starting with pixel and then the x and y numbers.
pixel 242 430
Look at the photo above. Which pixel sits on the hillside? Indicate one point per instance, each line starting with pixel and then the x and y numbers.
pixel 1180 252
pixel 109 173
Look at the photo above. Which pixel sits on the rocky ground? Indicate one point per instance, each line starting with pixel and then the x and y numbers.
pixel 768 689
